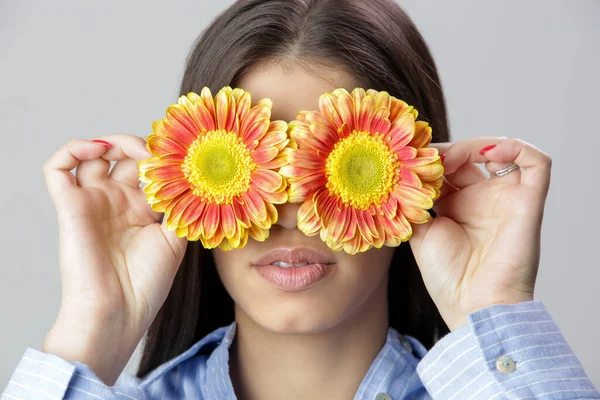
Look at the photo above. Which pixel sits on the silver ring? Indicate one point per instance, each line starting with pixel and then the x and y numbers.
pixel 505 171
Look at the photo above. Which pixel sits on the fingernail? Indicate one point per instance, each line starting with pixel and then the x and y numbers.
pixel 442 157
pixel 486 148
pixel 103 143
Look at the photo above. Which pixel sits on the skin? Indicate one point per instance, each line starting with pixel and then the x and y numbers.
pixel 482 249
pixel 317 341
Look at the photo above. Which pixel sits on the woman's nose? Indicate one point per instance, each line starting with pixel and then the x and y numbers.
pixel 288 215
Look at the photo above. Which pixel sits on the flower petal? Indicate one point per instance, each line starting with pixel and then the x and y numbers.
pixel 309 221
pixel 276 135
pixel 172 189
pixel 258 234
pixel 321 130
pixel 353 245
pixel 338 223
pixel 429 172
pixel 380 124
pixel 180 125
pixel 307 160
pixel 193 211
pixel 352 225
pixel 256 132
pixel 397 108
pixel 358 95
pixel 412 196
pixel 422 137
pixel 345 106
pixel 264 154
pixel 366 224
pixel 327 208
pixel 281 160
pixel 410 178
pixel 397 227
pixel 211 218
pixel 328 105
pixel 272 212
pixel 160 145
pixel 406 153
pixel 401 132
pixel 255 124
pixel 176 209
pixel 418 161
pixel 209 102
pixel 415 215
pixel 365 114
pixel 382 100
pixel 210 242
pixel 306 186
pixel 255 205
pixel 427 152
pixel 228 221
pixel 165 173
pixel 266 180
pixel 222 104
pixel 243 103
pixel 241 215
pixel 194 230
pixel 390 207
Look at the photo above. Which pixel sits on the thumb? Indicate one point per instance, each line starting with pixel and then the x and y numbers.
pixel 178 244
pixel 419 232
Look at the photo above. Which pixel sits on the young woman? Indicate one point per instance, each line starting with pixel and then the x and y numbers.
pixel 448 315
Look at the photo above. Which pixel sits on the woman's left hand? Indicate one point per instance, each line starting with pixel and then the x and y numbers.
pixel 483 248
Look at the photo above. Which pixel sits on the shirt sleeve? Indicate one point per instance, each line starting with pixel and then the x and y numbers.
pixel 505 351
pixel 46 376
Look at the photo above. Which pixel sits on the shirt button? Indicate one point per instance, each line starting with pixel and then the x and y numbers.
pixel 406 344
pixel 505 364
pixel 383 396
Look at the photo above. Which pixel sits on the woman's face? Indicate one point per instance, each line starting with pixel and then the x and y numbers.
pixel 313 298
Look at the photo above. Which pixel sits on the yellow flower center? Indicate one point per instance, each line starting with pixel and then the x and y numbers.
pixel 219 166
pixel 361 170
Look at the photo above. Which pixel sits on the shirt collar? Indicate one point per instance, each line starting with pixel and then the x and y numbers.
pixel 391 361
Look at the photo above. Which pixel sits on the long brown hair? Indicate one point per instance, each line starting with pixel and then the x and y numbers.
pixel 377 42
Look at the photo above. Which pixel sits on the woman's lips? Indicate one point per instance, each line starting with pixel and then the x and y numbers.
pixel 310 267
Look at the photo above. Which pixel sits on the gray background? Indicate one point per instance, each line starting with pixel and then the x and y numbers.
pixel 70 69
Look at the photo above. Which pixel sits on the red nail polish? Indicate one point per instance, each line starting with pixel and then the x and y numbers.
pixel 442 157
pixel 103 143
pixel 486 148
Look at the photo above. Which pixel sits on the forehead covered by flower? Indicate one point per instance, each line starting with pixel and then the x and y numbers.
pixel 362 170
pixel 214 170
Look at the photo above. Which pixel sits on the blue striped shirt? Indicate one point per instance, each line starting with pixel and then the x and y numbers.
pixel 503 352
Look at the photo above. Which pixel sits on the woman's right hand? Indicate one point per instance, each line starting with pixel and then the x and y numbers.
pixel 117 260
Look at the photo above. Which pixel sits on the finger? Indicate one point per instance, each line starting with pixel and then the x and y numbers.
pixel 536 163
pixel 446 189
pixel 156 216
pixel 91 171
pixel 467 151
pixel 475 150
pixel 124 147
pixel 452 208
pixel 57 169
pixel 126 171
pixel 466 175
pixel 515 175
pixel 462 175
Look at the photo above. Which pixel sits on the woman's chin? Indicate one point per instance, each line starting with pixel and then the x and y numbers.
pixel 292 318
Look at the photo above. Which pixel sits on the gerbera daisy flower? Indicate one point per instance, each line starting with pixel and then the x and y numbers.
pixel 362 169
pixel 214 170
